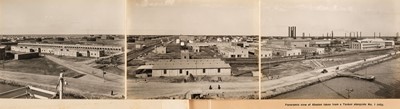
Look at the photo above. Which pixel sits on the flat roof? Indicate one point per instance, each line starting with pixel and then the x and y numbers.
pixel 189 64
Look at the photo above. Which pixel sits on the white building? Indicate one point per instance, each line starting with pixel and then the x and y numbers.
pixel 371 44
pixel 183 67
pixel 312 50
pixel 233 52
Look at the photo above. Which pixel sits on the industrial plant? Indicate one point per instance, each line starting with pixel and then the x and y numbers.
pixel 192 67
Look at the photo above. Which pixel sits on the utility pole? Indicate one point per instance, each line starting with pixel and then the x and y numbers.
pixel 61 86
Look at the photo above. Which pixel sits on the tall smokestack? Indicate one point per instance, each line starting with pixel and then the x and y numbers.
pixel 374 35
pixel 295 34
pixel 289 31
pixel 357 34
pixel 332 34
pixel 345 35
pixel 304 35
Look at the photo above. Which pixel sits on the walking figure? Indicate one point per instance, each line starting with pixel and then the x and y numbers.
pixel 219 87
pixel 210 87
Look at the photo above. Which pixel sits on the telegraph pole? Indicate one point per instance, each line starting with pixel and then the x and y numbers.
pixel 61 84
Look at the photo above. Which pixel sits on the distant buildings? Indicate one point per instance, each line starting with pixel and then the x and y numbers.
pixel 287 52
pixel 265 53
pixel 312 50
pixel 233 52
pixel 371 44
pixel 66 50
pixel 297 43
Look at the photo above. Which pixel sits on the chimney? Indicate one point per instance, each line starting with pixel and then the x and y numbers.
pixel 374 35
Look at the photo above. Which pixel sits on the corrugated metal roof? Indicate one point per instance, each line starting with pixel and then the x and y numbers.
pixel 188 63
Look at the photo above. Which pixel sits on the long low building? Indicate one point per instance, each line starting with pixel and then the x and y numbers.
pixel 311 50
pixel 66 50
pixel 371 44
pixel 233 52
pixel 184 67
pixel 287 52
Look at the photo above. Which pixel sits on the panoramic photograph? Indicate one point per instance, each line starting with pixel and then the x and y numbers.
pixel 329 49
pixel 187 50
pixel 59 49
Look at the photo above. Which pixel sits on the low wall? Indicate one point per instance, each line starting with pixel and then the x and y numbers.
pixel 26 56
pixel 289 88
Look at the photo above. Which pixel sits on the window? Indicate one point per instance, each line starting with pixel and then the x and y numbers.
pixel 219 70
pixel 165 72
pixel 180 71
pixel 204 70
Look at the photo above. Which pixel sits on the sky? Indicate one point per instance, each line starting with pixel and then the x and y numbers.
pixel 317 17
pixel 193 17
pixel 62 16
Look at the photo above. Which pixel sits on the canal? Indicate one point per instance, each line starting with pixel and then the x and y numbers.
pixel 386 85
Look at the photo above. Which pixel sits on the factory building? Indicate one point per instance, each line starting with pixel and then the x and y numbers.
pixel 371 44
pixel 297 43
pixel 287 52
pixel 311 50
pixel 320 43
pixel 233 52
pixel 185 67
pixel 265 53
pixel 65 50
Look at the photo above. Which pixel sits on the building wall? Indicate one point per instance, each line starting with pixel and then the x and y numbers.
pixel 297 43
pixel 283 53
pixel 185 72
pixel 312 50
pixel 26 56
pixel 2 53
pixel 60 51
pixel 266 54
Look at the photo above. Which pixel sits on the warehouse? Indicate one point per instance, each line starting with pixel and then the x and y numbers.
pixel 233 52
pixel 371 44
pixel 185 67
pixel 297 43
pixel 312 50
pixel 287 52
pixel 63 50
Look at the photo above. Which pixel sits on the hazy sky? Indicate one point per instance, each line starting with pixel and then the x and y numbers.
pixel 62 16
pixel 321 16
pixel 198 17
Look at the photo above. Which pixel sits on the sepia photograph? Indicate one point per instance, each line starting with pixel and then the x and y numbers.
pixel 62 49
pixel 199 49
pixel 329 49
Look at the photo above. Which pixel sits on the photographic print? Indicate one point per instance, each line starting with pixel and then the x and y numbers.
pixel 329 49
pixel 62 49
pixel 199 49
